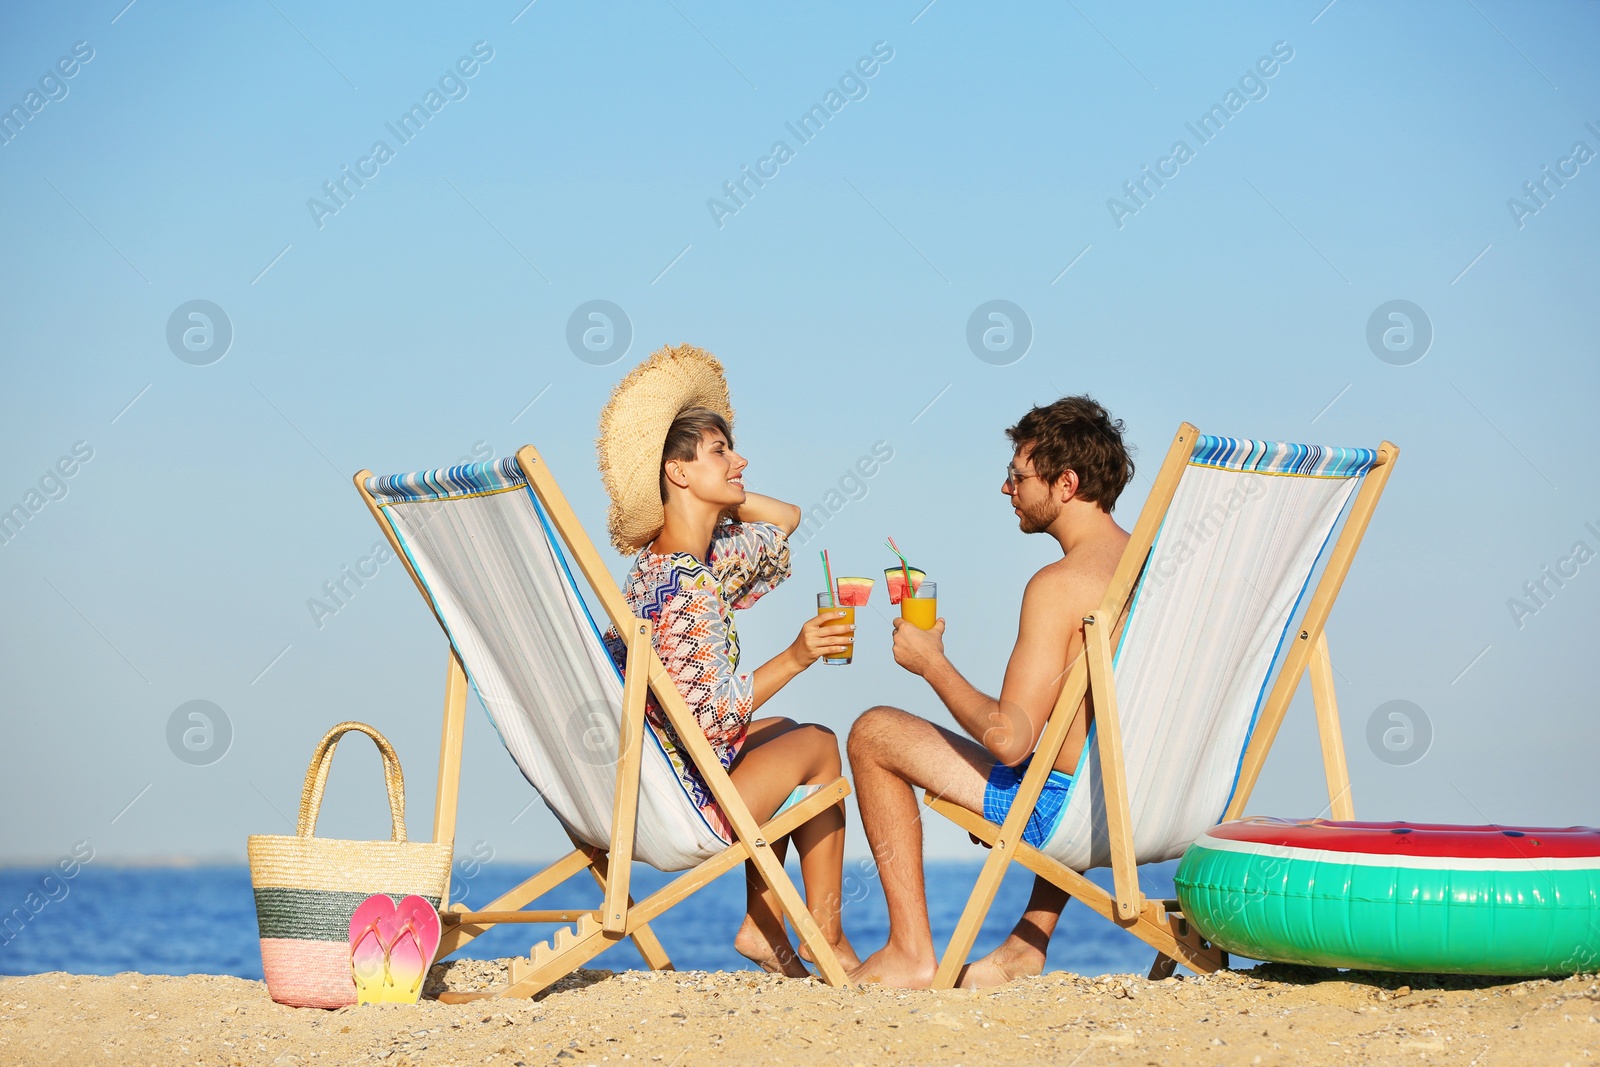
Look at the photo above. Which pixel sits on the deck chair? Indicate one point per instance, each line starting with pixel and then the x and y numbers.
pixel 1189 664
pixel 490 547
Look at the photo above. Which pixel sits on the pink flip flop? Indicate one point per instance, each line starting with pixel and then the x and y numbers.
pixel 411 953
pixel 372 933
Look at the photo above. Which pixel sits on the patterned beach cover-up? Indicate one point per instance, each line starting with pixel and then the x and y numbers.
pixel 690 606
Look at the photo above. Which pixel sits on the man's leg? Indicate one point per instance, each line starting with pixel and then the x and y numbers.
pixel 892 754
pixel 1023 950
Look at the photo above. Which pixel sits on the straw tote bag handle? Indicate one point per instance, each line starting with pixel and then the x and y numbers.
pixel 317 780
pixel 307 888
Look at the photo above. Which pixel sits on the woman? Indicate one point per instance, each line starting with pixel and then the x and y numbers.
pixel 705 548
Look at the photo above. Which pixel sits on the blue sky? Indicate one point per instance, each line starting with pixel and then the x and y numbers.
pixel 414 326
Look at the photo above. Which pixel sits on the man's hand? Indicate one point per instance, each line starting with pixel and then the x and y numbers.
pixel 916 649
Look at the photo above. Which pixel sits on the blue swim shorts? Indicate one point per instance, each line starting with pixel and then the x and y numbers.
pixel 1001 791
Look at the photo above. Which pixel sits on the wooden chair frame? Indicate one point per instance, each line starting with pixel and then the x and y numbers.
pixel 1090 683
pixel 620 915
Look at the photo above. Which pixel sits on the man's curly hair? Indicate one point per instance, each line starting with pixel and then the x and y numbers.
pixel 1075 433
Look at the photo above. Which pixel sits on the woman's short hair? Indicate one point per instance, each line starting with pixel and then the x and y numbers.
pixel 1075 433
pixel 684 435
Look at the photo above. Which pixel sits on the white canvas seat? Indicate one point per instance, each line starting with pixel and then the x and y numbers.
pixel 1218 620
pixel 1229 567
pixel 492 547
pixel 482 545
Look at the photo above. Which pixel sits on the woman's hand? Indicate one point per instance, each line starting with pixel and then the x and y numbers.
pixel 822 635
pixel 758 508
pixel 916 649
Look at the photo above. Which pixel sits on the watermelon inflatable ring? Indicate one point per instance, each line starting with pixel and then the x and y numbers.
pixel 1394 896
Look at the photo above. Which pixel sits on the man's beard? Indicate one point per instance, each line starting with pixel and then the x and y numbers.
pixel 1038 519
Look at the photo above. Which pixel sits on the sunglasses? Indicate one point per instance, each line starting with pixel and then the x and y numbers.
pixel 1015 477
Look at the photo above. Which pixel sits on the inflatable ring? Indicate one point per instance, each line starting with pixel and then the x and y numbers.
pixel 1394 896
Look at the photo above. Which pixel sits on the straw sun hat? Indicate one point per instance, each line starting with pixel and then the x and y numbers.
pixel 633 430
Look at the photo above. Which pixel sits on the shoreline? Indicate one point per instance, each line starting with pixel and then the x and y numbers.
pixel 1270 1014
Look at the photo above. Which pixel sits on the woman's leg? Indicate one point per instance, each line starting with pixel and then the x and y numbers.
pixel 820 843
pixel 779 756
pixel 762 938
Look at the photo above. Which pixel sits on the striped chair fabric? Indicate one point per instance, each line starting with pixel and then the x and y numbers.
pixel 499 580
pixel 1210 618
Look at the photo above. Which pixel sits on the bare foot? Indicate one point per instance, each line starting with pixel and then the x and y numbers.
pixel 841 948
pixel 1014 958
pixel 889 967
pixel 760 949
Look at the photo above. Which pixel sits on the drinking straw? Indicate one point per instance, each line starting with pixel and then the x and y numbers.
pixel 828 573
pixel 905 568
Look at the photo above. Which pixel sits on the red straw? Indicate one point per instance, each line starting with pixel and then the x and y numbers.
pixel 905 568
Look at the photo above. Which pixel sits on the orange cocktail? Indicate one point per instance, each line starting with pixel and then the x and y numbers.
pixel 827 606
pixel 921 608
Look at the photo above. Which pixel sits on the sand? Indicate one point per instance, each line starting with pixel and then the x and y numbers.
pixel 1271 1015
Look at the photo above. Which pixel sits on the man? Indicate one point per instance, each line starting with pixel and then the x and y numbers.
pixel 1068 467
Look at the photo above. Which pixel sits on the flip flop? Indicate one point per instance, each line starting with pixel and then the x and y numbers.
pixel 411 953
pixel 372 933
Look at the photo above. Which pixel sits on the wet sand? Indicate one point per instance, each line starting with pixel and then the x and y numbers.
pixel 1271 1015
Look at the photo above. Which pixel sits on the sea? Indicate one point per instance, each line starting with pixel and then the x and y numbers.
pixel 201 920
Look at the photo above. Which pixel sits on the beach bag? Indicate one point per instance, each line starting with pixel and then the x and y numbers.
pixel 307 887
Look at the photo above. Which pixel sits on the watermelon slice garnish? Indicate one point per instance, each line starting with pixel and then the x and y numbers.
pixel 853 592
pixel 896 579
